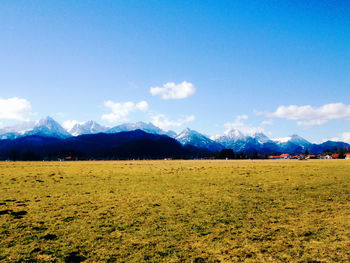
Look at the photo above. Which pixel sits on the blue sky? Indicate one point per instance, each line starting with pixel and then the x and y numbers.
pixel 213 65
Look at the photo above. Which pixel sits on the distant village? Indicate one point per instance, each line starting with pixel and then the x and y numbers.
pixel 322 156
pixel 311 156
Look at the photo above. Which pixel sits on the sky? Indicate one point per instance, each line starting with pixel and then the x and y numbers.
pixel 279 67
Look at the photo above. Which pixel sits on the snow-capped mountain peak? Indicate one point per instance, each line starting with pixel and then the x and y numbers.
pixel 194 138
pixel 87 127
pixel 234 134
pixel 230 135
pixel 296 139
pixel 185 133
pixel 238 141
pixel 48 127
pixel 146 127
pixel 261 137
pixel 299 140
pixel 47 122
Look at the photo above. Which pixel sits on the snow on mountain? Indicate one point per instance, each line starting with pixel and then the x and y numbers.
pixel 293 139
pixel 233 134
pixel 236 135
pixel 230 138
pixel 261 138
pixel 146 127
pixel 20 128
pixel 88 127
pixel 48 127
pixel 194 138
pixel 282 140
pixel 13 132
pixel 299 140
pixel 239 142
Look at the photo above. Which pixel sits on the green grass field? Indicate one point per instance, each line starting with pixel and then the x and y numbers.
pixel 175 211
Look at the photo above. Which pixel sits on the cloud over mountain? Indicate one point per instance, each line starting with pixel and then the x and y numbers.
pixel 240 125
pixel 15 109
pixel 344 137
pixel 163 122
pixel 170 90
pixel 311 123
pixel 119 110
pixel 69 124
pixel 308 115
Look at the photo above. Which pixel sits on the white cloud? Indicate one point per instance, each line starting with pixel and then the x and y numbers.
pixel 327 111
pixel 15 109
pixel 311 123
pixel 240 125
pixel 68 124
pixel 171 90
pixel 267 122
pixel 119 111
pixel 239 118
pixel 315 115
pixel 163 122
pixel 60 114
pixel 142 106
pixel 344 137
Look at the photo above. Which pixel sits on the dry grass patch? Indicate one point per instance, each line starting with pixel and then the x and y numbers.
pixel 175 211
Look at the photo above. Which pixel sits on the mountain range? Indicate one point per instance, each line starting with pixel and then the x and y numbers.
pixel 123 145
pixel 46 127
pixel 146 127
pixel 194 138
pixel 232 139
pixel 88 127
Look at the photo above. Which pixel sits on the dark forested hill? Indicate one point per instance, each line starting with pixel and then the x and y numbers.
pixel 124 145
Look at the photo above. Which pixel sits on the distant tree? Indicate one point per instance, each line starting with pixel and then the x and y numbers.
pixel 342 152
pixel 227 153
pixel 30 156
pixel 254 155
pixel 14 155
pixel 306 152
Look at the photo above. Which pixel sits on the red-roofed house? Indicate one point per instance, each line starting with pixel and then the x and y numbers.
pixel 282 156
pixel 335 155
pixel 285 156
pixel 274 157
pixel 347 156
pixel 311 156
